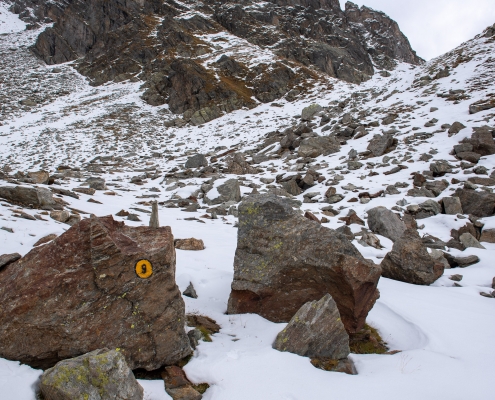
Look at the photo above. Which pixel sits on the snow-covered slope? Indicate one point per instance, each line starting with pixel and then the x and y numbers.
pixel 52 117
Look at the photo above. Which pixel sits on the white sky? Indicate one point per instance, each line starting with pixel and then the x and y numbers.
pixel 435 27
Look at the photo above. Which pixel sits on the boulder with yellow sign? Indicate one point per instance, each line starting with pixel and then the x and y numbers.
pixel 100 284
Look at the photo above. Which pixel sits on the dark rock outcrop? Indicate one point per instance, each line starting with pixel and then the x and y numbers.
pixel 159 43
pixel 480 204
pixel 90 288
pixel 284 260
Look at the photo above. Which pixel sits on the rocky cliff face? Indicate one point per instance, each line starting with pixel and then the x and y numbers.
pixel 207 58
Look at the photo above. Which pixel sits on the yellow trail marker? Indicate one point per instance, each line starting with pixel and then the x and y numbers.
pixel 144 269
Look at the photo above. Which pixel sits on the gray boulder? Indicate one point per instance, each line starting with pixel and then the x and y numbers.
pixel 452 205
pixel 317 146
pixel 284 260
pixel 440 168
pixel 456 128
pixel 310 111
pixel 228 191
pixel 315 331
pixel 96 183
pixel 469 240
pixel 379 144
pixel 30 196
pixel 196 161
pixel 39 177
pixel 480 204
pixel 410 262
pixel 428 209
pixel 385 223
pixel 99 375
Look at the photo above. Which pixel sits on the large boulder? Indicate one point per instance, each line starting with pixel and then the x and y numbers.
pixel 39 177
pixel 480 204
pixel 315 331
pixel 386 223
pixel 101 283
pixel 284 260
pixel 30 197
pixel 410 262
pixel 102 374
pixel 482 141
pixel 317 146
pixel 230 190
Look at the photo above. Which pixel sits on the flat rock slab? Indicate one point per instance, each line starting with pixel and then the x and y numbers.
pixel 100 284
pixel 284 260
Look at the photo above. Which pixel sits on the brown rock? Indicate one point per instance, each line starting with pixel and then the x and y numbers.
pixel 480 204
pixel 39 177
pixel 311 217
pixel 203 321
pixel 189 244
pixel 94 297
pixel 85 190
pixel 6 259
pixel 238 165
pixel 283 261
pixel 410 262
pixel 178 386
pixel 452 205
pixel 315 331
pixel 45 239
pixel 60 216
pixel 488 236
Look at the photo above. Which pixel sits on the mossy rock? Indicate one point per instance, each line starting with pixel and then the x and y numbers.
pixel 367 341
pixel 101 374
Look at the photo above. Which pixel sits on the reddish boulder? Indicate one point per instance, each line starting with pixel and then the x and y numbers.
pixel 100 284
pixel 284 260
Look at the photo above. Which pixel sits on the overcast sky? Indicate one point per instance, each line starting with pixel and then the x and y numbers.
pixel 435 27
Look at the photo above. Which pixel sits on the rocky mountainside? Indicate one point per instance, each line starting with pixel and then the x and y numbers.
pixel 207 58
pixel 313 225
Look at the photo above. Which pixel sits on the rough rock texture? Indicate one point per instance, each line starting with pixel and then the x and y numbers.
pixel 160 43
pixel 94 297
pixel 315 331
pixel 196 161
pixel 452 205
pixel 386 223
pixel 178 386
pixel 6 259
pixel 317 146
pixel 284 260
pixel 189 244
pixel 379 144
pixel 101 374
pixel 480 204
pixel 239 166
pixel 410 262
pixel 230 190
pixel 30 196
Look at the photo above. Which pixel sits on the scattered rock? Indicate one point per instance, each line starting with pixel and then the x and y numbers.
pixel 230 190
pixel 480 204
pixel 309 112
pixel 464 262
pixel 315 331
pixel 385 223
pixel 410 262
pixel 440 168
pixel 452 205
pixel 102 292
pixel 238 165
pixel 190 291
pixel 39 177
pixel 189 244
pixel 96 183
pixel 283 261
pixel 488 236
pixel 469 240
pixel 456 128
pixel 30 196
pixel 60 216
pixel 196 161
pixel 379 144
pixel 83 190
pixel 101 374
pixel 317 146
pixel 7 259
pixel 178 386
